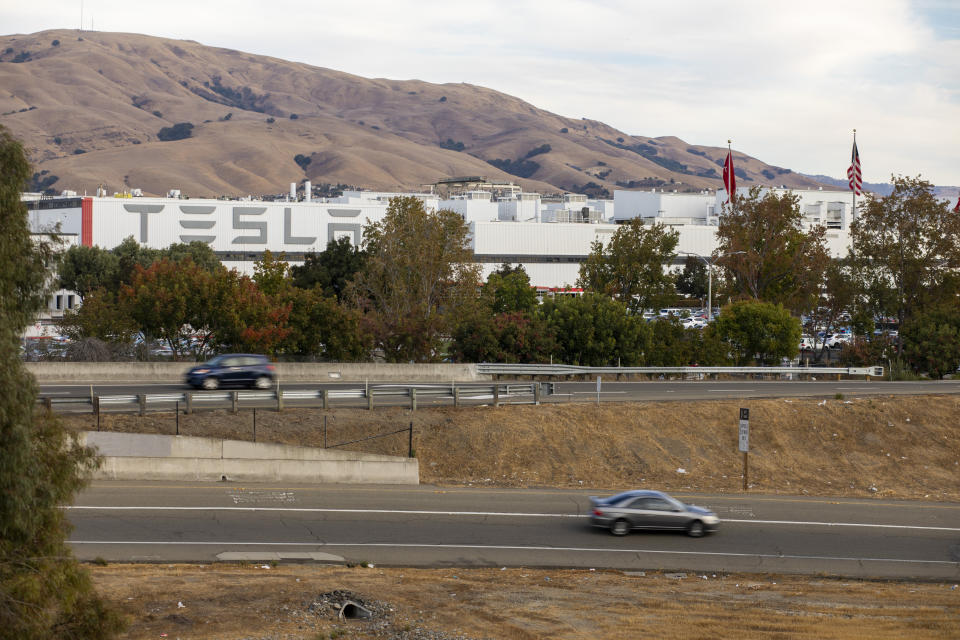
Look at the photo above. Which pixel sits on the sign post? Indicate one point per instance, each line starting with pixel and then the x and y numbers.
pixel 745 441
pixel 598 391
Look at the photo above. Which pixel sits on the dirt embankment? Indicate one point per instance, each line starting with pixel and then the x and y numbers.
pixel 906 447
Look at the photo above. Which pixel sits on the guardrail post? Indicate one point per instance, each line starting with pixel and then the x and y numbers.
pixel 48 404
pixel 536 393
pixel 456 396
pixel 142 400
pixel 279 399
pixel 188 396
pixel 323 398
pixel 496 395
pixel 369 393
pixel 235 401
pixel 96 410
pixel 413 399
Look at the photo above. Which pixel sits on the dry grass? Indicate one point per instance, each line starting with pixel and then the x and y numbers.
pixel 905 447
pixel 225 601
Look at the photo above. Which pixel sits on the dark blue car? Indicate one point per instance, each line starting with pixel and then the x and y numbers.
pixel 233 370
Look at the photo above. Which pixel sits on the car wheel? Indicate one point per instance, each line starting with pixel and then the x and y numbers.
pixel 695 530
pixel 620 527
pixel 210 384
pixel 263 382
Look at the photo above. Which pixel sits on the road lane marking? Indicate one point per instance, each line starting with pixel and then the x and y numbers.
pixel 506 514
pixel 391 545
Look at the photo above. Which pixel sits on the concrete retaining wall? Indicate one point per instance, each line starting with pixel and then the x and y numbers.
pixel 142 372
pixel 135 456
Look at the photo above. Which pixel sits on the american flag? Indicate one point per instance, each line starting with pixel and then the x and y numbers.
pixel 729 178
pixel 854 174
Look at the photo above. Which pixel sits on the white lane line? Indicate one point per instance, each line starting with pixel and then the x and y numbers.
pixel 728 390
pixel 58 393
pixel 390 545
pixel 504 514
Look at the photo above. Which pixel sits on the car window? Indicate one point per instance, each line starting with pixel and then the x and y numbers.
pixel 231 362
pixel 639 503
pixel 658 504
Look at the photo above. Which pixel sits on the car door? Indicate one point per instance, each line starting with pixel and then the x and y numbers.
pixel 666 514
pixel 639 514
pixel 231 372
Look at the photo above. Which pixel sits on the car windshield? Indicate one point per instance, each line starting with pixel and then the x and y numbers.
pixel 215 362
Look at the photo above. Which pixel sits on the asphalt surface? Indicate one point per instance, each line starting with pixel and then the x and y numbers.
pixel 432 527
pixel 439 394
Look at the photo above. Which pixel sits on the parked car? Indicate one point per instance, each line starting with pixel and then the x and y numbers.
pixel 806 343
pixel 233 369
pixel 837 340
pixel 644 509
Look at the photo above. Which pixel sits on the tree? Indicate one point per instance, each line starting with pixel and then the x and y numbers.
pixel 508 290
pixel 765 252
pixel 101 316
pixel 44 593
pixel 837 295
pixel 130 254
pixel 512 336
pixel 758 332
pixel 331 269
pixel 419 275
pixel 931 340
pixel 905 246
pixel 200 252
pixel 173 301
pixel 83 269
pixel 594 330
pixel 322 328
pixel 693 280
pixel 630 268
pixel 671 345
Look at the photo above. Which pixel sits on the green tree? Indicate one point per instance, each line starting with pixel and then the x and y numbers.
pixel 100 316
pixel 322 328
pixel 130 254
pixel 767 255
pixel 759 332
pixel 512 337
pixel 905 247
pixel 199 252
pixel 630 268
pixel 44 593
pixel 84 269
pixel 931 340
pixel 838 293
pixel 693 280
pixel 671 345
pixel 418 277
pixel 331 269
pixel 595 330
pixel 508 290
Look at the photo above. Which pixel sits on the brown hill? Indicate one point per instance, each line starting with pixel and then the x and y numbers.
pixel 90 107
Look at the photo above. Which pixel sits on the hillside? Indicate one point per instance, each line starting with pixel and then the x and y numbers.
pixel 90 107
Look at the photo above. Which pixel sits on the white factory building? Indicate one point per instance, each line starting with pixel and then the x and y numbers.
pixel 550 238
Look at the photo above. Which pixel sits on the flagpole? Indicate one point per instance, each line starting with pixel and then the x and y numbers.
pixel 853 211
pixel 730 155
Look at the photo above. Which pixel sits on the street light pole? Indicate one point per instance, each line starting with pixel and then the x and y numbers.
pixel 709 264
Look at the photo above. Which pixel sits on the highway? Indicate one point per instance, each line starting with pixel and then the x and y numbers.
pixel 610 391
pixel 434 527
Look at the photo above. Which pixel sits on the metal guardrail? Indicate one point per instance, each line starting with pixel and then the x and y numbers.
pixel 571 370
pixel 498 393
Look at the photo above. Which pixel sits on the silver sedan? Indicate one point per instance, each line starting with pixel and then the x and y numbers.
pixel 644 509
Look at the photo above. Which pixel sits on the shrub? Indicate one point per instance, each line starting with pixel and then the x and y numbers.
pixel 443 98
pixel 271 120
pixel 294 116
pixel 564 130
pixel 178 131
pixel 77 152
pixel 55 43
pixel 302 160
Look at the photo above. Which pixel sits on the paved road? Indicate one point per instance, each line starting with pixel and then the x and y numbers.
pixel 429 526
pixel 610 391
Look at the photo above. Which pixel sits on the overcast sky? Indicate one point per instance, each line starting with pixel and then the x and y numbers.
pixel 787 82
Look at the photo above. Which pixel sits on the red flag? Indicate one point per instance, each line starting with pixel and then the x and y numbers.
pixel 956 209
pixel 854 174
pixel 729 178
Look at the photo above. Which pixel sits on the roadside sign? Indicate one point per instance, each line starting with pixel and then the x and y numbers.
pixel 744 430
